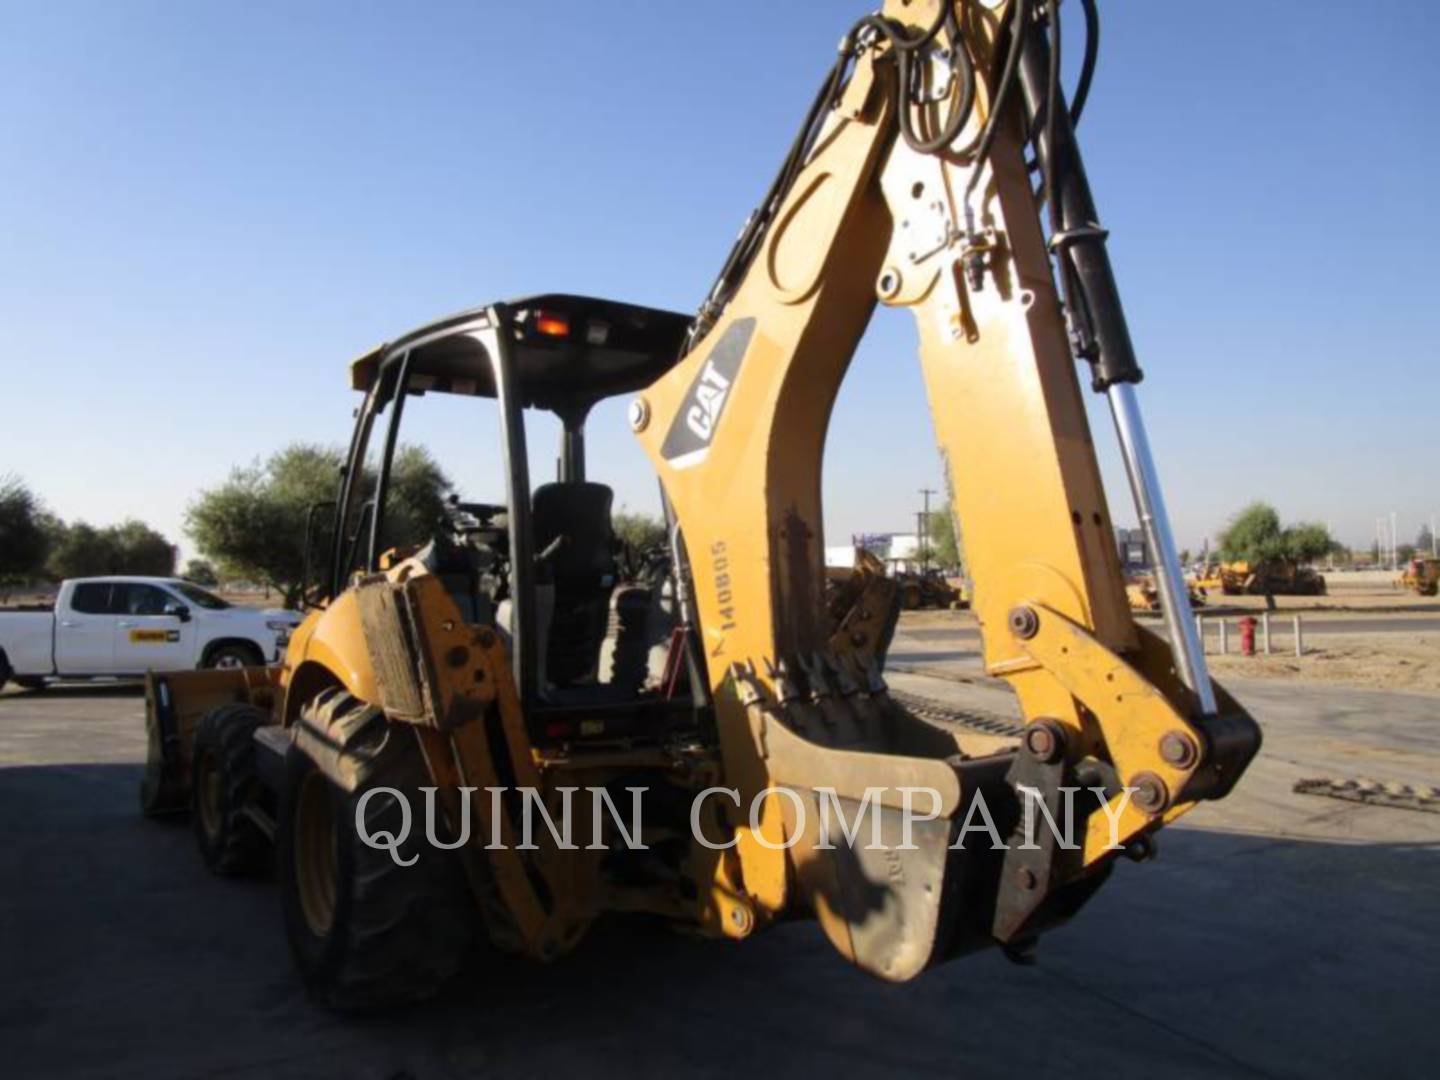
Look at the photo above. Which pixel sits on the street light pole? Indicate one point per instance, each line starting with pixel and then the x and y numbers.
pixel 924 530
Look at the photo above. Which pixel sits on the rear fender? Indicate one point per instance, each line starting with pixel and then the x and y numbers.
pixel 327 649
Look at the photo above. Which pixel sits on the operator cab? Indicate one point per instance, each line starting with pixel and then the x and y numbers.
pixel 544 567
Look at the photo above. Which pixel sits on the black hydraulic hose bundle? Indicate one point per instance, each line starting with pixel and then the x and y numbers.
pixel 906 48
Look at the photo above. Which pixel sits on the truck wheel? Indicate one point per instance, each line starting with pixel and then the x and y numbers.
pixel 365 931
pixel 224 779
pixel 235 655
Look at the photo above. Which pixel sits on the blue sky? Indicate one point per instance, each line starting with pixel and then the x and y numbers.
pixel 207 209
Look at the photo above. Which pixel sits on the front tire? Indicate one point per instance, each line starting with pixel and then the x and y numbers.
pixel 224 781
pixel 366 932
pixel 235 655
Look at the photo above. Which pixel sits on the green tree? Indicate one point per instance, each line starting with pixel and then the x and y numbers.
pixel 24 536
pixel 416 502
pixel 1253 535
pixel 253 525
pixel 142 550
pixel 201 572
pixel 80 550
pixel 1307 541
pixel 132 547
pixel 944 545
pixel 641 531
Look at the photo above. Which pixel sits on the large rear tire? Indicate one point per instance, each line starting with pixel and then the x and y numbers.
pixel 224 780
pixel 366 932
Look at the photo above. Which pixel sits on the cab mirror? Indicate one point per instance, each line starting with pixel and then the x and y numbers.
pixel 180 611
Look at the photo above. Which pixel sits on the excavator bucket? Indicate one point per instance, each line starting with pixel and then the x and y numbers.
pixel 911 840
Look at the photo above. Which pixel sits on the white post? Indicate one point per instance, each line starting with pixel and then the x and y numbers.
pixel 1200 630
pixel 1265 631
pixel 1224 641
pixel 1394 543
pixel 1299 643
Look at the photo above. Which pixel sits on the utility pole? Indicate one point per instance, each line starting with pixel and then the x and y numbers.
pixel 1394 543
pixel 1434 550
pixel 924 530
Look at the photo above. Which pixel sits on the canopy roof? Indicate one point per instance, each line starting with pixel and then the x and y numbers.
pixel 568 351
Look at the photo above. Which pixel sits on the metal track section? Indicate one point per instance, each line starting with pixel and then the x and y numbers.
pixel 1372 792
pixel 937 712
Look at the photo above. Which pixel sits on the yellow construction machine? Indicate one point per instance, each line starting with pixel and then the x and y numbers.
pixel 1144 595
pixel 1422 575
pixel 1276 576
pixel 465 684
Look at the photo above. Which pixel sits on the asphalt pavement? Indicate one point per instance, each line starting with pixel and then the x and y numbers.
pixel 1275 935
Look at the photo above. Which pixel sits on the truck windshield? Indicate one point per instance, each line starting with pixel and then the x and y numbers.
pixel 197 595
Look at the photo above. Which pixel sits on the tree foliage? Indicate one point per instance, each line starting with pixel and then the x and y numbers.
pixel 1255 534
pixel 24 536
pixel 201 572
pixel 253 525
pixel 641 531
pixel 132 547
pixel 944 545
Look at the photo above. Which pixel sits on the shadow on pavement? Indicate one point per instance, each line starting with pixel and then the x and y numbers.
pixel 1230 953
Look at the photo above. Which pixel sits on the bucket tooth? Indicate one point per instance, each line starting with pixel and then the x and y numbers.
pixel 746 685
pixel 780 677
pixel 844 680
pixel 874 680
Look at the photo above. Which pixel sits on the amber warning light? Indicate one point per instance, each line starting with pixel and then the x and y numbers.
pixel 552 324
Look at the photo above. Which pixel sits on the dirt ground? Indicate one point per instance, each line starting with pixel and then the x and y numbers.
pixel 1395 644
pixel 1352 590
pixel 1384 661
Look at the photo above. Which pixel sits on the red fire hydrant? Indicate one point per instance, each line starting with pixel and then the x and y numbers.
pixel 1247 636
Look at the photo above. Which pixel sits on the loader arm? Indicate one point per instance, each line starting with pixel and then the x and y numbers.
pixel 869 210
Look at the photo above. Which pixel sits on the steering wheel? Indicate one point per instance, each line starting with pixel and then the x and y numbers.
pixel 467 517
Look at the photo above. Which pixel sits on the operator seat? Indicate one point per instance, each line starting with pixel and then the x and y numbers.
pixel 581 567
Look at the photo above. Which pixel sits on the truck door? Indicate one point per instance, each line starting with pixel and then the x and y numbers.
pixel 85 630
pixel 153 630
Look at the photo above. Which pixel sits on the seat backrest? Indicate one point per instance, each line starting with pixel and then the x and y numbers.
pixel 580 513
pixel 582 570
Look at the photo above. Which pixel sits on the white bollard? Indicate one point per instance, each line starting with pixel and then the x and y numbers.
pixel 1265 631
pixel 1224 639
pixel 1200 631
pixel 1299 643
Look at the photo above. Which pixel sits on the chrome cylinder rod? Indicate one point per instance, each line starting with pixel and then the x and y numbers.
pixel 1169 579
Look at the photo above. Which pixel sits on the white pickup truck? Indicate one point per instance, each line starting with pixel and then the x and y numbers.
pixel 118 626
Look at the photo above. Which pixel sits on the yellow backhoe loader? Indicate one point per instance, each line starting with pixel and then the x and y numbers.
pixel 690 777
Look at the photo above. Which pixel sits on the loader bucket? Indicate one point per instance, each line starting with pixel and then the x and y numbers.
pixel 174 703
